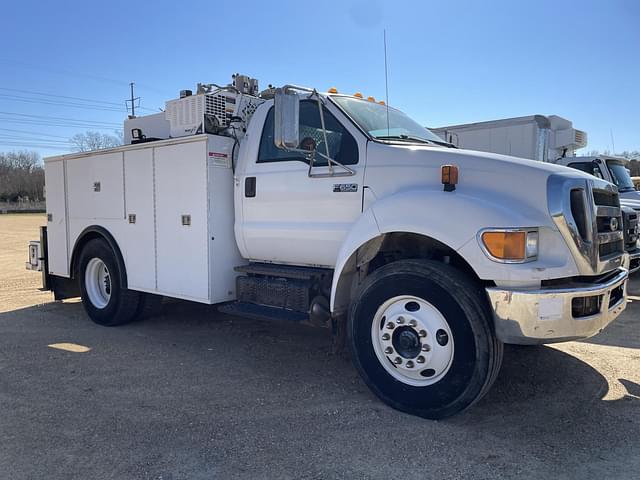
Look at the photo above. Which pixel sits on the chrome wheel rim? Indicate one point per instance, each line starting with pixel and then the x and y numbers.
pixel 98 283
pixel 412 340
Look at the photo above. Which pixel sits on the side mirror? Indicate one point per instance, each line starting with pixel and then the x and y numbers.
pixel 286 119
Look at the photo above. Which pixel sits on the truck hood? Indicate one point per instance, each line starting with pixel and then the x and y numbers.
pixel 628 201
pixel 393 167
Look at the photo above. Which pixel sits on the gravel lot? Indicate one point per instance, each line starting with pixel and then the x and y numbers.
pixel 194 394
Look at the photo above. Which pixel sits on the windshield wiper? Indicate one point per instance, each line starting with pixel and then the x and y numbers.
pixel 415 139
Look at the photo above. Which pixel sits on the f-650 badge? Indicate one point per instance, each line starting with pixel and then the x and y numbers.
pixel 345 187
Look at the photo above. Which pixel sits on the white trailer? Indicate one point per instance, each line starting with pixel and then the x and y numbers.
pixel 340 211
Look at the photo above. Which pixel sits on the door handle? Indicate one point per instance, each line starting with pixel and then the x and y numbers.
pixel 250 187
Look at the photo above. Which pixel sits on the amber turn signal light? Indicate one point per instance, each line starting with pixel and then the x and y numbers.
pixel 506 245
pixel 449 175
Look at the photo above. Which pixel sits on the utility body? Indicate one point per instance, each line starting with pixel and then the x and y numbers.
pixel 340 211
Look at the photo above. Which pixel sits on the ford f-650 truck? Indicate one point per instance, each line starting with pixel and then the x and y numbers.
pixel 338 210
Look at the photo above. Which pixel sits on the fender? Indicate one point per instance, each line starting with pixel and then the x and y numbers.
pixel 96 231
pixel 451 218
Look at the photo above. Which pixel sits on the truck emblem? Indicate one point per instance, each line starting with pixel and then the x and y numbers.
pixel 613 224
pixel 345 187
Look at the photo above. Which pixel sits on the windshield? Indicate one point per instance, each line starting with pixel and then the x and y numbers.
pixel 372 118
pixel 620 176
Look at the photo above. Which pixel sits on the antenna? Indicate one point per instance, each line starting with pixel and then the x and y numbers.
pixel 613 145
pixel 386 78
pixel 133 100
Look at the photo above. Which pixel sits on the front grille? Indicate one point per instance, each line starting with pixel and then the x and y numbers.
pixel 608 220
pixel 630 225
pixel 605 198
pixel 588 215
pixel 609 249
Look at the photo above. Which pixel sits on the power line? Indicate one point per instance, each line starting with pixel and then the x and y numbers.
pixel 44 101
pixel 99 78
pixel 21 121
pixel 59 118
pixel 100 103
pixel 30 132
pixel 32 92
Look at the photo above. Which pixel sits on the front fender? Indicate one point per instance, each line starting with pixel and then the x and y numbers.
pixel 455 219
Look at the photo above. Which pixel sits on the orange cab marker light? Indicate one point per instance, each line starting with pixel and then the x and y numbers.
pixel 332 90
pixel 381 102
pixel 371 99
pixel 505 245
pixel 357 95
pixel 449 177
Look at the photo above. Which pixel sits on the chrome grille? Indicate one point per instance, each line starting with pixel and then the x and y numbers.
pixel 630 225
pixel 587 213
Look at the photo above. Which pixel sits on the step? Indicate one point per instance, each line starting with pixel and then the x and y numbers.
pixel 285 271
pixel 262 312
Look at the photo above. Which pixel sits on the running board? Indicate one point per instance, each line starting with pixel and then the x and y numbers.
pixel 262 312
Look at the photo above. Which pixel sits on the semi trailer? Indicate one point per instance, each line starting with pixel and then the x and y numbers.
pixel 339 211
pixel 553 139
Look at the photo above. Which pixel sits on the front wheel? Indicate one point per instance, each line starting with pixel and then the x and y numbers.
pixel 104 297
pixel 422 338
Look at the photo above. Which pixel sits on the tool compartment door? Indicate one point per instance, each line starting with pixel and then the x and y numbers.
pixel 181 220
pixel 57 248
pixel 138 238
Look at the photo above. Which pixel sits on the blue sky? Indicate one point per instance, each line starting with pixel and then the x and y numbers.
pixel 449 62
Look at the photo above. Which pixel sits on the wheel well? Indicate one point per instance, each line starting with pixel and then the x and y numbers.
pixel 92 233
pixel 388 248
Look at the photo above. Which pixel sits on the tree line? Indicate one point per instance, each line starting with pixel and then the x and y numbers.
pixel 21 177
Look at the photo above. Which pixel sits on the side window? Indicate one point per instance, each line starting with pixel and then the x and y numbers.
pixel 342 146
pixel 588 167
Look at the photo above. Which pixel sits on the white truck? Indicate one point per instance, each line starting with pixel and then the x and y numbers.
pixel 341 211
pixel 553 139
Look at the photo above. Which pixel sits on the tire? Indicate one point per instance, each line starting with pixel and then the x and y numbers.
pixel 104 298
pixel 432 374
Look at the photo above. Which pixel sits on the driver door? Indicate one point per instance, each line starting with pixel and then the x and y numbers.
pixel 288 216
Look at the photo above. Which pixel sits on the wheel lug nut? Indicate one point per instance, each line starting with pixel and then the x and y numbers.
pixel 390 326
pixel 412 323
pixel 400 320
pixel 388 350
pixel 409 364
pixel 426 348
pixel 422 333
pixel 386 337
pixel 397 360
pixel 420 359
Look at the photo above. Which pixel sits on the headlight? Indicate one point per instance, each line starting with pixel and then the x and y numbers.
pixel 510 245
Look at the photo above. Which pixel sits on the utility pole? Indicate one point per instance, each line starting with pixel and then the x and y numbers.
pixel 133 100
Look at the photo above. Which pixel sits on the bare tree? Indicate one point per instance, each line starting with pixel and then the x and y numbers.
pixel 84 142
pixel 21 176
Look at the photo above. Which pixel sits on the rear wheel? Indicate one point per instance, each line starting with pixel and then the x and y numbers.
pixel 105 299
pixel 422 338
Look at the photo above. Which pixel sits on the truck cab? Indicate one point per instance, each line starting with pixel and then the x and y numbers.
pixel 611 169
pixel 340 211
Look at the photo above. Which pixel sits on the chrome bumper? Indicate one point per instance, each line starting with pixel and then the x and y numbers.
pixel 546 315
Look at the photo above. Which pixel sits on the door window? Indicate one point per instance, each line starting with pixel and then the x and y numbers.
pixel 588 167
pixel 342 146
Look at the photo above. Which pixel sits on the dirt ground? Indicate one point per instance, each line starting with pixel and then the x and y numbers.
pixel 194 394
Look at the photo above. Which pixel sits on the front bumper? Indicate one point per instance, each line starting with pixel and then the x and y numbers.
pixel 546 315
